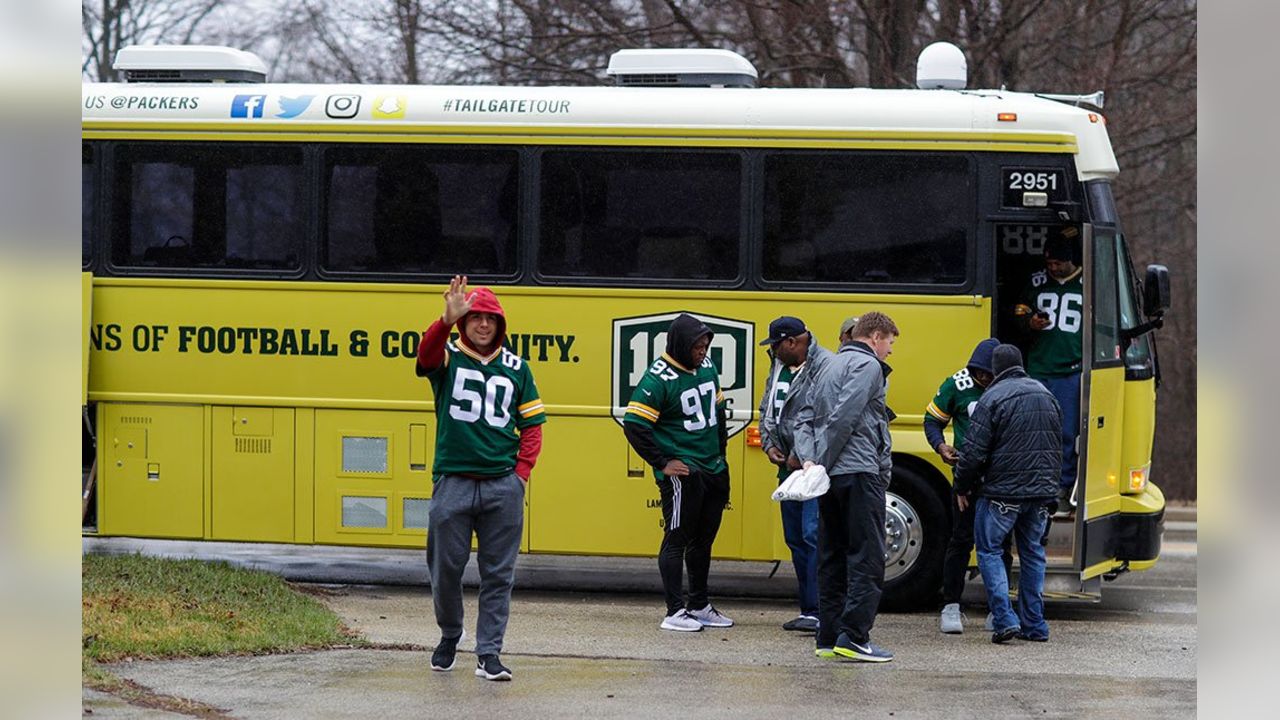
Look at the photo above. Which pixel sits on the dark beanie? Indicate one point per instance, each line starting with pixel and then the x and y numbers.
pixel 1064 245
pixel 1005 357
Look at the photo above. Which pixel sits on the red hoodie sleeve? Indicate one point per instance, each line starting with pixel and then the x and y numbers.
pixel 431 349
pixel 527 455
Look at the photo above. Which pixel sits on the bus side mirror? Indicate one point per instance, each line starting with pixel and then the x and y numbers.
pixel 1155 291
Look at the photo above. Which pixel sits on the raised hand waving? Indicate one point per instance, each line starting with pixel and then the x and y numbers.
pixel 457 301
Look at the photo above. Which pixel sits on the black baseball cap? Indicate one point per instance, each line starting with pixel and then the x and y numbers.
pixel 783 328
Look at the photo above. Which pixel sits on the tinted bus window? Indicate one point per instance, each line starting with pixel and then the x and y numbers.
pixel 1106 280
pixel 421 210
pixel 868 218
pixel 208 206
pixel 644 215
pixel 88 200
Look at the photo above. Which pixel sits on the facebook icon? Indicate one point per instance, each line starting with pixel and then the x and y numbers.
pixel 248 106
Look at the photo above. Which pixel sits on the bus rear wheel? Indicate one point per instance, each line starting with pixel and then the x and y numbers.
pixel 917 526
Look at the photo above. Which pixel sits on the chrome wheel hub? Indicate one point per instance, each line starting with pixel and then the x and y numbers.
pixel 903 536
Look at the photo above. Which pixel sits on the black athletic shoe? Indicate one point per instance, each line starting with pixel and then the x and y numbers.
pixel 1004 636
pixel 803 623
pixel 490 667
pixel 445 656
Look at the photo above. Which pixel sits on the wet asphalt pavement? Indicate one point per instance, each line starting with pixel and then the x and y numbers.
pixel 583 654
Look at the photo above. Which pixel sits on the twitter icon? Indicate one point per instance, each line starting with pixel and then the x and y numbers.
pixel 292 107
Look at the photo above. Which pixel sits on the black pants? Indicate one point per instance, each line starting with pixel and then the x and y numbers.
pixel 691 510
pixel 955 564
pixel 850 557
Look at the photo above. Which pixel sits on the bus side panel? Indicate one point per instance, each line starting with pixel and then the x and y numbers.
pixel 253 476
pixel 152 484
pixel 759 478
pixel 370 488
pixel 609 508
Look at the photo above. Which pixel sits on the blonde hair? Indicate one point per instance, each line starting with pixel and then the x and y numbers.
pixel 873 322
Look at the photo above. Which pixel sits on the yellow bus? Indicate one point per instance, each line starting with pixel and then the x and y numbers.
pixel 260 260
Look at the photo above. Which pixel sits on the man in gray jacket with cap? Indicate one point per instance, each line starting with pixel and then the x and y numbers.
pixel 845 422
pixel 797 359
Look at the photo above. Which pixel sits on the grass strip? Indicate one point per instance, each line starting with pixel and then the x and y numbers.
pixel 142 608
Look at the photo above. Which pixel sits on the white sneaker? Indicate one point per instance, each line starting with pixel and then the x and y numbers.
pixel 681 621
pixel 990 624
pixel 952 622
pixel 711 617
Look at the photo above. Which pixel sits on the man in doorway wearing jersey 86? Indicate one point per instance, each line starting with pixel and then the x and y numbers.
pixel 1052 311
pixel 676 423
pixel 488 435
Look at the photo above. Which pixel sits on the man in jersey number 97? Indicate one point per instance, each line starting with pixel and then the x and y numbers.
pixel 676 422
pixel 488 434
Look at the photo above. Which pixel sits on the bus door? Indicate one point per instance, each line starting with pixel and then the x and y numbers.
pixel 1103 391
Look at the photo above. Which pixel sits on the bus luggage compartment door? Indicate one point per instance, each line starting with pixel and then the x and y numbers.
pixel 373 477
pixel 151 482
pixel 252 479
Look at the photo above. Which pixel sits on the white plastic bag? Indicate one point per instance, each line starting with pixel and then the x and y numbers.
pixel 804 484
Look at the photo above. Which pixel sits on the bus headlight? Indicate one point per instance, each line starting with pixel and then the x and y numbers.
pixel 1137 480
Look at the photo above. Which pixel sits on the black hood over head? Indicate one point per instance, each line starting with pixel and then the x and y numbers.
pixel 685 330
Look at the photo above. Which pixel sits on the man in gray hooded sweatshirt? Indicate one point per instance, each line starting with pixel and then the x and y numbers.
pixel 846 423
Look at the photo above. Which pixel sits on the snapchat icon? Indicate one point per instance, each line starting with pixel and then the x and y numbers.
pixel 389 107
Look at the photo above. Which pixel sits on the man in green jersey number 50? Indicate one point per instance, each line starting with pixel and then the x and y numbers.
pixel 676 423
pixel 488 435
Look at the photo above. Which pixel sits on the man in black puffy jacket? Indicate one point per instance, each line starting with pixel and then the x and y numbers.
pixel 1011 461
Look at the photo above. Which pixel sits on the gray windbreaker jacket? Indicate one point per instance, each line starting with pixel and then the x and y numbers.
pixel 844 420
pixel 778 425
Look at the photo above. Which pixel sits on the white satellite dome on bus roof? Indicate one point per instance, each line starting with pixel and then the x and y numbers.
pixel 942 67
pixel 676 67
pixel 186 63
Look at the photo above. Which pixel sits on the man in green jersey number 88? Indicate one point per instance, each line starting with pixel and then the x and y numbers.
pixel 676 423
pixel 488 435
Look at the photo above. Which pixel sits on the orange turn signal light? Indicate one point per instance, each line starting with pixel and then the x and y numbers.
pixel 1007 117
pixel 753 436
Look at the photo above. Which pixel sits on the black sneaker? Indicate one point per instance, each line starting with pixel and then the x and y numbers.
pixel 490 667
pixel 861 652
pixel 445 655
pixel 1004 636
pixel 803 623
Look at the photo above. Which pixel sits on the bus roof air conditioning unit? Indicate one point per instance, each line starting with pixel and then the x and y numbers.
pixel 189 63
pixel 681 68
pixel 941 66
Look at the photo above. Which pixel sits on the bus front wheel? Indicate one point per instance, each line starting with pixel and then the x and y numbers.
pixel 917 526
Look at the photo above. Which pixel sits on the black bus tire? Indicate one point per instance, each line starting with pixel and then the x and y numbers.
pixel 917 529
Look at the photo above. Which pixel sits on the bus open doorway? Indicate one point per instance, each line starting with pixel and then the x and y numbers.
pixel 1020 272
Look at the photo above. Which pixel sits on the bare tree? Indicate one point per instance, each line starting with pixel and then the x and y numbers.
pixel 108 25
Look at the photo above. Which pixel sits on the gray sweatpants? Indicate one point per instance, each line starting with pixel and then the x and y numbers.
pixel 494 510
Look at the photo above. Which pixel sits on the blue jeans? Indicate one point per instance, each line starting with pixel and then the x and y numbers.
pixel 993 522
pixel 800 529
pixel 1067 392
